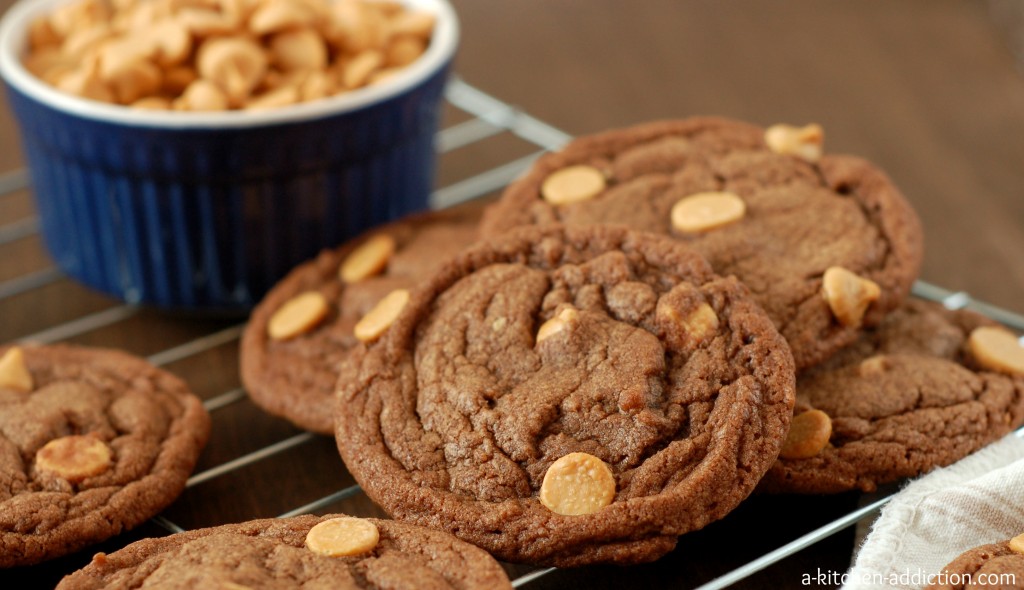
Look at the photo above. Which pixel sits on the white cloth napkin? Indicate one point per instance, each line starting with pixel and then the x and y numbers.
pixel 975 501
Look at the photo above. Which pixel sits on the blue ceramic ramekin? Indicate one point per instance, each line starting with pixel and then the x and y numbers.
pixel 205 211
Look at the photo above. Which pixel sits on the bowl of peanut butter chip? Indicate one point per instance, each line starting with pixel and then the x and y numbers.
pixel 186 154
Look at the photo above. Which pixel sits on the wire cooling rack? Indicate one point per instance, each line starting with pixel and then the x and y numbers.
pixel 305 465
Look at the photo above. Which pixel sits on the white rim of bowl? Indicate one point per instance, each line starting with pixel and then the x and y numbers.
pixel 14 40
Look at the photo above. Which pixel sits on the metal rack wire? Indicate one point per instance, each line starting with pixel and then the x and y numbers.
pixel 489 117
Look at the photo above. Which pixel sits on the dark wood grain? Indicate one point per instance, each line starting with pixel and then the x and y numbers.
pixel 927 89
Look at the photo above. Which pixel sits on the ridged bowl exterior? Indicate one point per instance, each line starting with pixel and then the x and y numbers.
pixel 210 218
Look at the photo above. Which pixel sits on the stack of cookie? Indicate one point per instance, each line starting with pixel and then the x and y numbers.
pixel 652 323
pixel 644 329
pixel 94 442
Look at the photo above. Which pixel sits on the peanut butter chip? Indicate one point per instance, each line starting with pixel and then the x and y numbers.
pixel 173 42
pixel 875 365
pixel 702 322
pixel 706 211
pixel 273 99
pixel 685 319
pixel 357 71
pixel 302 49
pixel 278 15
pixel 418 24
pixel 74 458
pixel 848 295
pixel 343 537
pixel 202 95
pixel 368 260
pixel 997 349
pixel 84 82
pixel 808 434
pixel 13 372
pixel 235 64
pixel 1017 544
pixel 41 34
pixel 556 324
pixel 153 103
pixel 298 315
pixel 405 50
pixel 577 484
pixel 381 316
pixel 572 185
pixel 803 142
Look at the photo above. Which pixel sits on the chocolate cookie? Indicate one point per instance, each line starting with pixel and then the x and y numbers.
pixel 567 396
pixel 999 565
pixel 764 206
pixel 92 442
pixel 333 551
pixel 291 372
pixel 921 390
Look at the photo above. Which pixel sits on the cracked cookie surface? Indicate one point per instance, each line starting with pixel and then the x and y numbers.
pixel 800 217
pixel 273 554
pixel 294 378
pixel 101 443
pixel 547 341
pixel 905 398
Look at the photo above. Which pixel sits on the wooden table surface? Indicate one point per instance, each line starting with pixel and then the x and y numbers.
pixel 927 89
